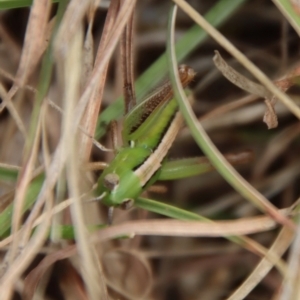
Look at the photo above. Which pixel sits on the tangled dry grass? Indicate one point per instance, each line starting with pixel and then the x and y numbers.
pixel 60 69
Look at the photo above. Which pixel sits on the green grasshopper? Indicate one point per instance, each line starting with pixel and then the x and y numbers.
pixel 149 131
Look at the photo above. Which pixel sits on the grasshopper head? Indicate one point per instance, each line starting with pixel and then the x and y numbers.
pixel 119 190
pixel 111 181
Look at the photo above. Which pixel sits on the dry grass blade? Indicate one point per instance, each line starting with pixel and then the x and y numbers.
pixel 34 39
pixel 88 48
pixel 291 289
pixel 33 46
pixel 72 70
pixel 280 245
pixel 14 113
pixel 186 229
pixel 92 274
pixel 74 15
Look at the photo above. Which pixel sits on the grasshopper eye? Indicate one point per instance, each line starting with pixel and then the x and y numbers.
pixel 111 181
pixel 126 204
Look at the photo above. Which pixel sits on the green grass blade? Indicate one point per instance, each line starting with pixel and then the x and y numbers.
pixel 219 13
pixel 67 232
pixel 290 13
pixel 31 194
pixel 183 168
pixel 7 174
pixel 9 4
pixel 167 210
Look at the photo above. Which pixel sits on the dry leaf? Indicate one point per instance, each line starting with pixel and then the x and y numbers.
pixel 238 79
pixel 270 117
